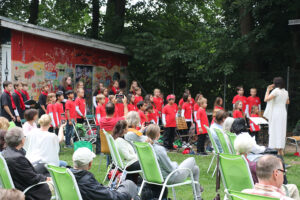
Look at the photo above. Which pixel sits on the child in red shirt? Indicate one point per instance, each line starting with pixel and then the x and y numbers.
pixel 240 97
pixel 238 110
pixel 187 113
pixel 130 105
pixel 100 113
pixel 142 108
pixel 217 106
pixel 59 106
pixel 138 96
pixel 71 117
pixel 169 122
pixel 158 101
pixel 115 87
pixel 51 110
pixel 152 115
pixel 80 106
pixel 201 130
pixel 254 129
pixel 253 100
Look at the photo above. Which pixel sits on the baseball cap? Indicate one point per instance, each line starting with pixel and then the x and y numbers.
pixel 171 96
pixel 83 155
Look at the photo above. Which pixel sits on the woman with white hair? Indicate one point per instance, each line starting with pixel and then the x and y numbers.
pixel 133 121
pixel 227 124
pixel 43 146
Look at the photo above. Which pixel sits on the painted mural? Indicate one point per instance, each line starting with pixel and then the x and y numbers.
pixel 38 60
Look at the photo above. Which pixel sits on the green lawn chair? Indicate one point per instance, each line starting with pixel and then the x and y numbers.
pixel 117 160
pixel 234 195
pixel 225 146
pixel 11 125
pixel 215 151
pixel 6 181
pixel 65 184
pixel 232 137
pixel 152 173
pixel 235 172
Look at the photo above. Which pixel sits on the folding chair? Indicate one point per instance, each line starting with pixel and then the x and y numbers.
pixel 294 140
pixel 152 173
pixel 234 195
pixel 225 146
pixel 65 184
pixel 6 181
pixel 235 172
pixel 116 160
pixel 232 137
pixel 105 150
pixel 215 151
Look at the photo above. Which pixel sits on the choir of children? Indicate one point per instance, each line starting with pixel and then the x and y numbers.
pixel 151 110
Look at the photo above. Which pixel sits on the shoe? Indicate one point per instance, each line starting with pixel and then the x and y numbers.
pixel 202 154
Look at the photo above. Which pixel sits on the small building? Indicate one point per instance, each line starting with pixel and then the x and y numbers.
pixel 39 55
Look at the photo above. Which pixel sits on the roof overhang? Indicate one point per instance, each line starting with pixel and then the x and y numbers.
pixel 59 35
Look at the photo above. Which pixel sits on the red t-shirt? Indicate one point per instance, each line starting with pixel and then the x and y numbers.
pixel 99 110
pixel 81 104
pixel 114 90
pixel 158 102
pixel 237 114
pixel 51 108
pixel 196 108
pixel 188 109
pixel 170 112
pixel 106 100
pixel 253 101
pixel 202 116
pixel 59 109
pixel 131 107
pixel 120 109
pixel 142 117
pixel 153 116
pixel 108 124
pixel 70 105
pixel 191 102
pixel 138 99
pixel 243 99
pixel 254 127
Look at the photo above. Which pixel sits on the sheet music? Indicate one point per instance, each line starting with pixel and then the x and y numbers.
pixel 258 120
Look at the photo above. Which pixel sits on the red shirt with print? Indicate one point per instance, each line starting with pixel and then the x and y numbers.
pixel 170 114
pixel 243 99
pixel 254 127
pixel 237 114
pixel 108 124
pixel 158 102
pixel 188 109
pixel 253 101
pixel 131 107
pixel 51 108
pixel 60 110
pixel 138 99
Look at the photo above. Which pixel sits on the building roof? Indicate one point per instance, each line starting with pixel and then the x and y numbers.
pixel 294 22
pixel 59 35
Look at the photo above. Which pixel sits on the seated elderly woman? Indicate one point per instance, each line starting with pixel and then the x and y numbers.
pixel 133 121
pixel 22 172
pixel 227 124
pixel 126 150
pixel 243 145
pixel 43 146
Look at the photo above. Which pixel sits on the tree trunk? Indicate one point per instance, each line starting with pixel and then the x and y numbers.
pixel 34 11
pixel 95 22
pixel 114 20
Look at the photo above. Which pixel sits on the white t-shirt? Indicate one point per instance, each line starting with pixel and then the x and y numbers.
pixel 42 146
pixel 27 127
pixel 126 151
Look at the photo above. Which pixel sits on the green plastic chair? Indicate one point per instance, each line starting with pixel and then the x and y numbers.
pixel 65 184
pixel 215 151
pixel 235 172
pixel 11 125
pixel 152 173
pixel 232 137
pixel 224 144
pixel 6 181
pixel 234 195
pixel 117 160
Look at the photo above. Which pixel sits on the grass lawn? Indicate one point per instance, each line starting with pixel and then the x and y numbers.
pixel 185 192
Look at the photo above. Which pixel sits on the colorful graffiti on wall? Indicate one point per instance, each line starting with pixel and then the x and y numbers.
pixel 38 60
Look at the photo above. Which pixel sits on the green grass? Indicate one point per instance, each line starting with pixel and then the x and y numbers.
pixel 185 192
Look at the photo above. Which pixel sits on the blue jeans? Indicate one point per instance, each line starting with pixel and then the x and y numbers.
pixel 69 132
pixel 63 163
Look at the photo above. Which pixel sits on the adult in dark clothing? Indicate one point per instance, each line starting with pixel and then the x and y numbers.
pixel 43 100
pixel 66 85
pixel 21 170
pixel 90 188
pixel 8 106
pixel 24 92
pixel 19 101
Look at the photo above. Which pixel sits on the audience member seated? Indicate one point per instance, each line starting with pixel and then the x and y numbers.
pixel 221 116
pixel 133 121
pixel 22 172
pixel 11 194
pixel 31 115
pixel 90 188
pixel 43 146
pixel 2 140
pixel 126 150
pixel 4 123
pixel 108 123
pixel 238 126
pixel 270 174
pixel 227 124
pixel 167 166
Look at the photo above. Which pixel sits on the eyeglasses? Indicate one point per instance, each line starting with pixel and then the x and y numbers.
pixel 282 170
